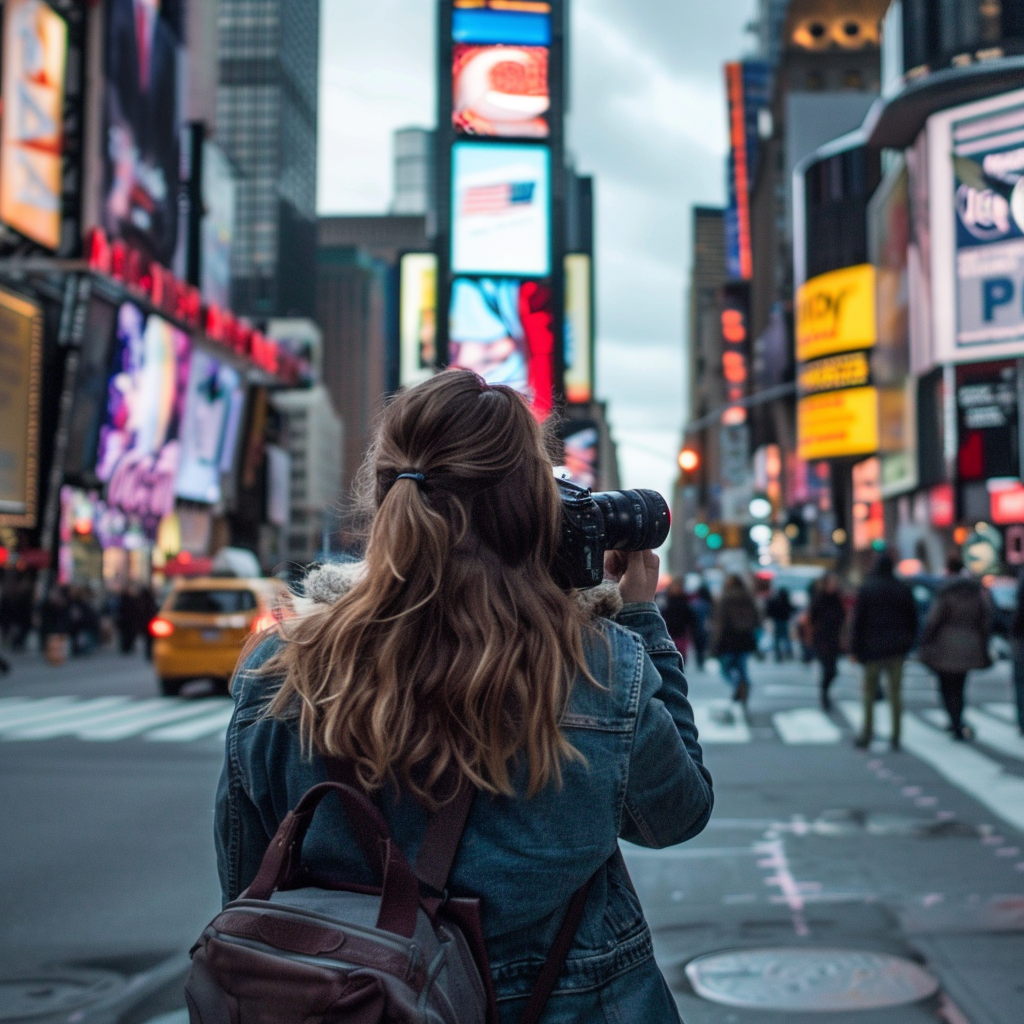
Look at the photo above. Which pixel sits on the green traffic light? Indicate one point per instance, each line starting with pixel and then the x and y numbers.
pixel 714 541
pixel 702 530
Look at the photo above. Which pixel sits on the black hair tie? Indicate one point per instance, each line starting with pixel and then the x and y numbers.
pixel 418 477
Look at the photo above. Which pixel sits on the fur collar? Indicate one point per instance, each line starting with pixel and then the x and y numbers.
pixel 328 582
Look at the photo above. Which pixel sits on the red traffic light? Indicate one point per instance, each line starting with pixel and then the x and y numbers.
pixel 689 460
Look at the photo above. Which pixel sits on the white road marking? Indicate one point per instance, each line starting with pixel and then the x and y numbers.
pixel 67 720
pixel 212 722
pixel 806 725
pixel 16 714
pixel 720 721
pixel 996 734
pixel 142 717
pixel 967 769
pixel 1003 710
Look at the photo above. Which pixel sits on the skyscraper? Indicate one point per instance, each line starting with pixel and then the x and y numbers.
pixel 266 123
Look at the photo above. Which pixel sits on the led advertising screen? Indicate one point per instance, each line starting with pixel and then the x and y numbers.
pixel 520 23
pixel 35 49
pixel 578 329
pixel 836 312
pixel 976 182
pixel 209 430
pixel 500 91
pixel 142 125
pixel 218 226
pixel 20 359
pixel 503 329
pixel 417 317
pixel 139 451
pixel 582 448
pixel 501 210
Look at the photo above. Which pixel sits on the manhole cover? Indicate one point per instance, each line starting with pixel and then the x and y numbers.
pixel 43 994
pixel 806 979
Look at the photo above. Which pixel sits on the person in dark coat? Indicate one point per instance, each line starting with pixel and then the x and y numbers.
pixel 701 605
pixel 883 633
pixel 827 617
pixel 678 616
pixel 128 614
pixel 955 640
pixel 780 610
pixel 734 635
pixel 1017 640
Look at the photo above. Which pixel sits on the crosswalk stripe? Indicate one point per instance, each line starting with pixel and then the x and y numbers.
pixel 214 721
pixel 19 713
pixel 967 769
pixel 140 720
pixel 57 722
pixel 806 725
pixel 990 731
pixel 1002 709
pixel 720 721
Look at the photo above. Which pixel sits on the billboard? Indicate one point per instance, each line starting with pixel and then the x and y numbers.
pixel 976 186
pixel 503 329
pixel 142 126
pixel 836 312
pixel 209 428
pixel 20 371
pixel 835 424
pixel 501 209
pixel 579 374
pixel 500 91
pixel 218 226
pixel 582 441
pixel 417 317
pixel 139 451
pixel 522 23
pixel 35 49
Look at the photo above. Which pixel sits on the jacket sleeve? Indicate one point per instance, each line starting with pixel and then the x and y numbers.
pixel 668 796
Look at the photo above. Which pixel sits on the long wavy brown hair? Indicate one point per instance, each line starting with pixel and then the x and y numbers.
pixel 457 648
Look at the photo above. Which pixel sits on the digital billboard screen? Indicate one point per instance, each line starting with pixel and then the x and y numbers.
pixel 578 329
pixel 500 91
pixel 209 429
pixel 139 450
pixel 581 439
pixel 501 215
pixel 523 23
pixel 503 329
pixel 417 317
pixel 20 358
pixel 142 125
pixel 35 49
pixel 218 227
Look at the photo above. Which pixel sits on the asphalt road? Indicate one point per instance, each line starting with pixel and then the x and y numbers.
pixel 108 868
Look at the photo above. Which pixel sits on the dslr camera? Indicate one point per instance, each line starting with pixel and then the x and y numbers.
pixel 607 521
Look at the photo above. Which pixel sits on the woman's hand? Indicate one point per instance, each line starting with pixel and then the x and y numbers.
pixel 636 573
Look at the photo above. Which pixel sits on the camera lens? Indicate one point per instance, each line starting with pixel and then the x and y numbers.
pixel 633 520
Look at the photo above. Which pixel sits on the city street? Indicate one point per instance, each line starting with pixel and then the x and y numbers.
pixel 107 793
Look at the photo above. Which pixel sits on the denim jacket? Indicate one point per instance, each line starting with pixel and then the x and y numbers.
pixel 643 781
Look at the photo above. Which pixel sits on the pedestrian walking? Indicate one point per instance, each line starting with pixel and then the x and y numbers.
pixel 1017 641
pixel 827 619
pixel 455 655
pixel 883 633
pixel 780 610
pixel 955 640
pixel 735 624
pixel 678 615
pixel 701 605
pixel 55 625
pixel 128 614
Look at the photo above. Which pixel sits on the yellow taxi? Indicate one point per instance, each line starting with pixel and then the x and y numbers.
pixel 204 623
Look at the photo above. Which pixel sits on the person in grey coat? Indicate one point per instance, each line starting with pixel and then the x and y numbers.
pixel 955 640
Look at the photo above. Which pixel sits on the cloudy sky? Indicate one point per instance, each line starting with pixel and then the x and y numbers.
pixel 647 120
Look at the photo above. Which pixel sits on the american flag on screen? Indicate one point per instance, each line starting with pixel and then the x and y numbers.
pixel 497 198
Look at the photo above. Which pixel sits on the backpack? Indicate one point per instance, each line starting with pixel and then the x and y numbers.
pixel 295 947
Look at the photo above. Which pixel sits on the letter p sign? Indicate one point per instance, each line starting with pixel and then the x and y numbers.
pixel 996 291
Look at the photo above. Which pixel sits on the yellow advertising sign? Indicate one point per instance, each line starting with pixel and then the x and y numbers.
pixel 847 371
pixel 578 342
pixel 836 312
pixel 35 47
pixel 837 423
pixel 20 343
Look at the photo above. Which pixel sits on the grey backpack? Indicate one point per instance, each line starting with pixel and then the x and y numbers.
pixel 295 948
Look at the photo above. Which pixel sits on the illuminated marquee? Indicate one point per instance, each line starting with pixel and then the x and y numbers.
pixel 836 313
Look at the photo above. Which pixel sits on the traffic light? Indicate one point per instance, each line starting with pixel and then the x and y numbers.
pixel 689 460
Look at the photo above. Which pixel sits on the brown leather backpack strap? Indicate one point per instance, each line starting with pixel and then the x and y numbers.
pixel 558 954
pixel 441 839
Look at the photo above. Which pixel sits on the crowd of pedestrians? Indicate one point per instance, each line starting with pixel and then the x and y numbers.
pixel 877 626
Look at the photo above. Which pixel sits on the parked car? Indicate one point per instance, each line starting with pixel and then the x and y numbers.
pixel 204 623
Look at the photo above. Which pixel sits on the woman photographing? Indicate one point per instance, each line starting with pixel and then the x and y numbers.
pixel 453 651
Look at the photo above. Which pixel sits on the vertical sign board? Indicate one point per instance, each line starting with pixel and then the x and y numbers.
pixel 579 334
pixel 500 294
pixel 35 47
pixel 417 317
pixel 20 374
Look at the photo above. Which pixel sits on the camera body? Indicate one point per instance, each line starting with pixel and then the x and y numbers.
pixel 606 521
